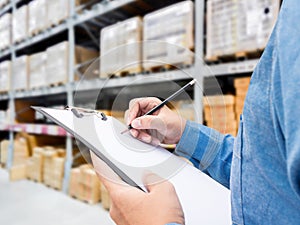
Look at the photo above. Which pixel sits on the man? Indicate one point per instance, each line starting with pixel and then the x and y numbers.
pixel 261 166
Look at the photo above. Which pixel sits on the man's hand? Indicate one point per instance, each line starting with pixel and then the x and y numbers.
pixel 131 206
pixel 163 126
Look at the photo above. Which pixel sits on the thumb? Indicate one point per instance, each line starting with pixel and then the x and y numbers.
pixel 148 122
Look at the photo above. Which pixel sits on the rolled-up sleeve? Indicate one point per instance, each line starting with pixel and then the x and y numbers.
pixel 209 151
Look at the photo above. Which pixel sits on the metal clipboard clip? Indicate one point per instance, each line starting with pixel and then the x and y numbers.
pixel 81 112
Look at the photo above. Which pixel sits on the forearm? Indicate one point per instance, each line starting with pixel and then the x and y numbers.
pixel 209 151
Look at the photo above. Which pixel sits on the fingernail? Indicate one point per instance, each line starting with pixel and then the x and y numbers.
pixel 136 123
pixel 146 139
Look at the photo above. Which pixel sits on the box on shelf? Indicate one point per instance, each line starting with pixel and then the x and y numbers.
pixel 239 27
pixel 219 113
pixel 173 25
pixel 20 73
pixel 5 31
pixel 84 184
pixel 38 17
pixel 37 75
pixel 17 172
pixel 121 48
pixel 5 76
pixel 83 55
pixel 20 24
pixel 58 61
pixel 59 11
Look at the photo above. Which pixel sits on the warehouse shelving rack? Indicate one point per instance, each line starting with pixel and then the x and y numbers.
pixel 103 10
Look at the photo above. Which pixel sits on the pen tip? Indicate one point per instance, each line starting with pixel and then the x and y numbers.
pixel 193 82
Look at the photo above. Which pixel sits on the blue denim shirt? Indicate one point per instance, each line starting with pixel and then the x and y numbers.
pixel 261 166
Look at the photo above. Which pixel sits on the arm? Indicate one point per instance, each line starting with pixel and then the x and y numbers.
pixel 208 150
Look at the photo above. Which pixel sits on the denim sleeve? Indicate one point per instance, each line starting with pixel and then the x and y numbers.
pixel 209 151
pixel 287 92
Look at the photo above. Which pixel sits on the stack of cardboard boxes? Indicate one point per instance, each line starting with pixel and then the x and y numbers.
pixel 20 156
pixel 241 87
pixel 219 113
pixel 53 167
pixel 85 184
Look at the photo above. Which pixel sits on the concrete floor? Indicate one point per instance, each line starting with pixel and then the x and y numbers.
pixel 28 203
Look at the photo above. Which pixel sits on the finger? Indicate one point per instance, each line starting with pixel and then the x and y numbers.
pixel 147 138
pixel 148 122
pixel 134 112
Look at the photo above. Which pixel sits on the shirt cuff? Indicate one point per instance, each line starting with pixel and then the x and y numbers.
pixel 199 144
pixel 172 224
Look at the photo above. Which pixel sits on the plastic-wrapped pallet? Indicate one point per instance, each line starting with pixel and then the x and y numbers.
pixel 57 64
pixel 238 27
pixel 219 113
pixel 58 61
pixel 37 16
pixel 121 50
pixel 20 24
pixel 173 25
pixel 37 75
pixel 20 73
pixel 59 11
pixel 255 23
pixel 5 76
pixel 5 31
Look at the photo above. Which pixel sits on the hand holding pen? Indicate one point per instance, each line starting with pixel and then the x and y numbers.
pixel 150 121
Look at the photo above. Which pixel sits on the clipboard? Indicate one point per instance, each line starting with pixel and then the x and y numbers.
pixel 204 201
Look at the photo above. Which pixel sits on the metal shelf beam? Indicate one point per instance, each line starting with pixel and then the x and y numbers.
pixel 233 68
pixel 100 9
pixel 141 79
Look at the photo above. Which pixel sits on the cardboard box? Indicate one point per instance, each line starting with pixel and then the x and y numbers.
pixel 238 26
pixel 5 76
pixel 57 65
pixel 169 36
pixel 5 31
pixel 58 11
pixel 4 145
pixel 20 77
pixel 121 50
pixel 38 16
pixel 17 172
pixel 20 24
pixel 38 73
pixel 218 100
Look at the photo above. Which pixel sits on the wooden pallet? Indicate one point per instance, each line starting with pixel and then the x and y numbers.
pixel 166 67
pixel 129 71
pixel 61 83
pixel 85 201
pixel 242 55
pixel 56 23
